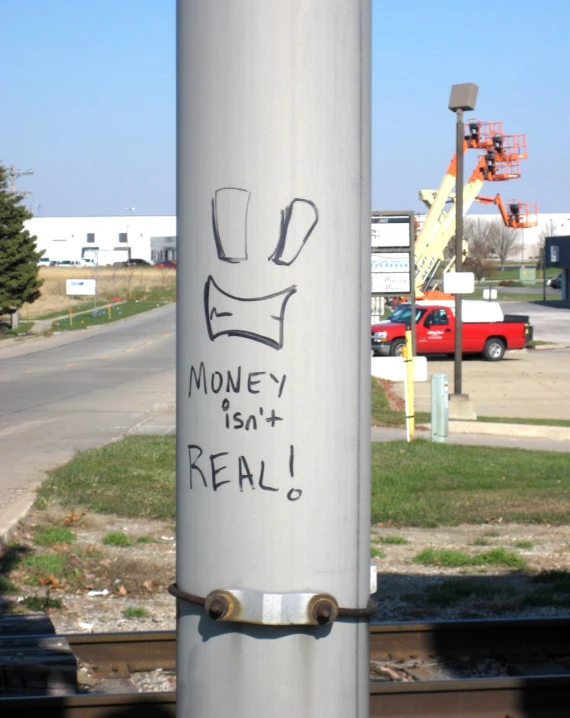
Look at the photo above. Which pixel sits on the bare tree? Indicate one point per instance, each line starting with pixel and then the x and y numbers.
pixel 477 232
pixel 548 230
pixel 503 240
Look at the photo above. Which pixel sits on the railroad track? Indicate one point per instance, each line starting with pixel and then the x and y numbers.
pixel 535 651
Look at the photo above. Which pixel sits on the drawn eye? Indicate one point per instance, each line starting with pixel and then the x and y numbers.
pixel 259 319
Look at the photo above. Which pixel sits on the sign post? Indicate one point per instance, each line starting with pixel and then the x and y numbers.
pixel 393 258
pixel 273 487
pixel 82 288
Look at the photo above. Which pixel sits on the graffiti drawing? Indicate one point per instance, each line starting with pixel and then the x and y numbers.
pixel 229 221
pixel 256 318
pixel 259 319
pixel 295 219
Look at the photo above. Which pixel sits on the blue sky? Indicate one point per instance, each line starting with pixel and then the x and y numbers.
pixel 89 98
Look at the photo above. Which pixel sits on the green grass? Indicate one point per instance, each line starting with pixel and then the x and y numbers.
pixel 117 538
pixel 481 541
pixel 6 586
pixel 101 315
pixel 38 566
pixel 524 544
pixel 140 467
pixel 377 553
pixel 391 540
pixel 381 412
pixel 454 591
pixel 537 343
pixel 429 485
pixel 513 296
pixel 24 328
pixel 448 557
pixel 511 271
pixel 452 558
pixel 417 484
pixel 516 420
pixel 135 612
pixel 145 539
pixel 41 603
pixel 50 535
pixel 83 306
pixel 492 533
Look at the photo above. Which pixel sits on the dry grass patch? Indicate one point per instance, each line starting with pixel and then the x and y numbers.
pixel 127 283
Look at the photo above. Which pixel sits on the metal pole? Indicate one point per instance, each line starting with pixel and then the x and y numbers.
pixel 273 412
pixel 458 250
pixel 543 262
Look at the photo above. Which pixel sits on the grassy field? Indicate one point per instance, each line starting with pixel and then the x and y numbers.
pixel 516 420
pixel 105 314
pixel 142 468
pixel 514 296
pixel 419 484
pixel 425 484
pixel 512 271
pixel 126 283
pixel 6 332
pixel 383 414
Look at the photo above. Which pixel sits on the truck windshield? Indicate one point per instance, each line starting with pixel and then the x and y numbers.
pixel 403 314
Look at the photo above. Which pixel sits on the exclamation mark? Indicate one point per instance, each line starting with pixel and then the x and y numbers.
pixel 293 494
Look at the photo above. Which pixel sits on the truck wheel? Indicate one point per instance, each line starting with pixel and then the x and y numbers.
pixel 494 349
pixel 397 348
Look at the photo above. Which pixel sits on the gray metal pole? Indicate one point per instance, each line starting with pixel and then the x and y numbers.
pixel 458 250
pixel 273 357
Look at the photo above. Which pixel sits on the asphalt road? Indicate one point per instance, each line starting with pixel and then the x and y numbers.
pixel 79 390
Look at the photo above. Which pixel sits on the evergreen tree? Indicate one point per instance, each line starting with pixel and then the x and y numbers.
pixel 19 281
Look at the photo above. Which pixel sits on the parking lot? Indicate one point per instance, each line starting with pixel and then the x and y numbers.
pixel 526 384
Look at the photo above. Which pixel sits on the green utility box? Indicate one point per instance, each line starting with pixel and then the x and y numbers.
pixel 527 275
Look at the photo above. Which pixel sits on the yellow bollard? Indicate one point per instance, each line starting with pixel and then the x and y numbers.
pixel 409 390
pixel 109 310
pixel 70 317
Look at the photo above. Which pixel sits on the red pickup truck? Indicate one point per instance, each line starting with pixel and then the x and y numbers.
pixel 435 333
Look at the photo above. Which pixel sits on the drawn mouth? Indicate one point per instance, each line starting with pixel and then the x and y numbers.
pixel 257 318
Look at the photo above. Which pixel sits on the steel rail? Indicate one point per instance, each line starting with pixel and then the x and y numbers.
pixel 498 697
pixel 119 654
pixel 116 654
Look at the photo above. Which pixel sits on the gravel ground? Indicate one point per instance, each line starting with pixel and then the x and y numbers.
pixel 110 586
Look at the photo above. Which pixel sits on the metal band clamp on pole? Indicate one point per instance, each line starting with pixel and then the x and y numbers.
pixel 273 608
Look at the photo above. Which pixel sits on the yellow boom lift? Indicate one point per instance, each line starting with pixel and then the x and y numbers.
pixel 500 161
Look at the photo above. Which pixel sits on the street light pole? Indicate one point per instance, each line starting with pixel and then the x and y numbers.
pixel 460 139
pixel 463 97
pixel 273 403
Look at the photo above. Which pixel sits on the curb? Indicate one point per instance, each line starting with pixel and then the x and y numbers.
pixel 522 431
pixel 16 510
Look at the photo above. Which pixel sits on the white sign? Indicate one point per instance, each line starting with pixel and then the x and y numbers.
pixel 392 231
pixel 489 294
pixel 459 283
pixel 390 262
pixel 81 287
pixel 391 283
pixel 390 272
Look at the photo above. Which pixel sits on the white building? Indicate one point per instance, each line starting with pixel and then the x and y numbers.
pixel 153 238
pixel 106 239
